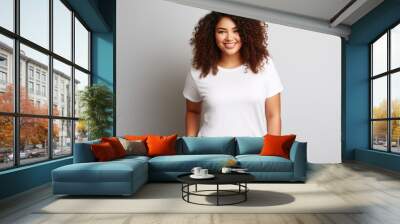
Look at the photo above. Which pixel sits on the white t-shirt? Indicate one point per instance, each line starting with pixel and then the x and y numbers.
pixel 233 100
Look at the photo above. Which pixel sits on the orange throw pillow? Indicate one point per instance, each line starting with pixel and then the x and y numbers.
pixel 161 145
pixel 116 145
pixel 103 152
pixel 277 145
pixel 135 138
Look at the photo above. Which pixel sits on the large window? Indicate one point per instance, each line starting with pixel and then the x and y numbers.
pixel 385 91
pixel 44 64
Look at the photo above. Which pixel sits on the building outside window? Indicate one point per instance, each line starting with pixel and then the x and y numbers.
pixel 30 87
pixel 43 78
pixel 43 90
pixel 3 78
pixel 55 96
pixel 3 61
pixel 3 72
pixel 3 82
pixel 38 89
pixel 37 75
pixel 30 72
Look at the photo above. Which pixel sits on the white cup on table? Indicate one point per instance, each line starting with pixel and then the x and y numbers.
pixel 196 170
pixel 203 172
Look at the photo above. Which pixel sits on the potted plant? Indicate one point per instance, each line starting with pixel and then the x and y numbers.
pixel 96 102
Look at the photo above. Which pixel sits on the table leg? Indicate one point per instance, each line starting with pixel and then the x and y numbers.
pixel 217 194
pixel 245 193
pixel 188 190
pixel 196 188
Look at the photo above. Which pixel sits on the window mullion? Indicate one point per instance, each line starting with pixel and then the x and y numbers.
pixel 73 82
pixel 389 94
pixel 371 98
pixel 50 81
pixel 371 92
pixel 16 84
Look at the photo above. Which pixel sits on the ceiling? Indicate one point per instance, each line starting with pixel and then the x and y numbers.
pixel 327 16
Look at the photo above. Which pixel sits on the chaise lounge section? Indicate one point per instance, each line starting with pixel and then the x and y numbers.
pixel 125 176
pixel 88 177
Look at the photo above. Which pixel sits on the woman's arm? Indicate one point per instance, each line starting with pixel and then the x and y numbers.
pixel 193 114
pixel 273 114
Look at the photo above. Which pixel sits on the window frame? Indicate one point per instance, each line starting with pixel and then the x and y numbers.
pixel 388 74
pixel 16 114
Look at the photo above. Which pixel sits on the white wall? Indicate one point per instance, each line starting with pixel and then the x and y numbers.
pixel 310 67
pixel 153 58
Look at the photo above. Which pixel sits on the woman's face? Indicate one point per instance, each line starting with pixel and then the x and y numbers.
pixel 227 37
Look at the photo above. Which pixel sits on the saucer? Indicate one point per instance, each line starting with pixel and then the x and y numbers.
pixel 208 176
pixel 240 171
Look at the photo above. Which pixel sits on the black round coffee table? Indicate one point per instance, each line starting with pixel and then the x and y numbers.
pixel 238 179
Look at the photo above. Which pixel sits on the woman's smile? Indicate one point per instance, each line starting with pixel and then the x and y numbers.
pixel 230 45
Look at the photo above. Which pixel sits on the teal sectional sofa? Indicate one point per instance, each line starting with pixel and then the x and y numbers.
pixel 125 176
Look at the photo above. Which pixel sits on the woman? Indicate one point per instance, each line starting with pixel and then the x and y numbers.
pixel 233 88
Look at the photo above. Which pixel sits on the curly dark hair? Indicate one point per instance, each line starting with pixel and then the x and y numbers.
pixel 206 53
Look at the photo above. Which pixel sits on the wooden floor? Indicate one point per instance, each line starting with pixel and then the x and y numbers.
pixel 378 188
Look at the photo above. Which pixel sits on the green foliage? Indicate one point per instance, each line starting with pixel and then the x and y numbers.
pixel 97 103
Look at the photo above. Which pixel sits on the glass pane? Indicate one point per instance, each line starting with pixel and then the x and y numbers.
pixel 395 47
pixel 62 89
pixel 7 14
pixel 62 138
pixel 81 45
pixel 6 74
pixel 6 142
pixel 33 139
pixel 395 94
pixel 81 131
pixel 35 21
pixel 34 97
pixel 379 97
pixel 395 136
pixel 62 29
pixel 81 81
pixel 379 135
pixel 379 55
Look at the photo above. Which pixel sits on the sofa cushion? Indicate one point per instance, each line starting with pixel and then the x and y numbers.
pixel 207 145
pixel 134 147
pixel 103 152
pixel 116 145
pixel 161 145
pixel 257 163
pixel 185 163
pixel 111 171
pixel 277 145
pixel 133 158
pixel 249 145
pixel 136 137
